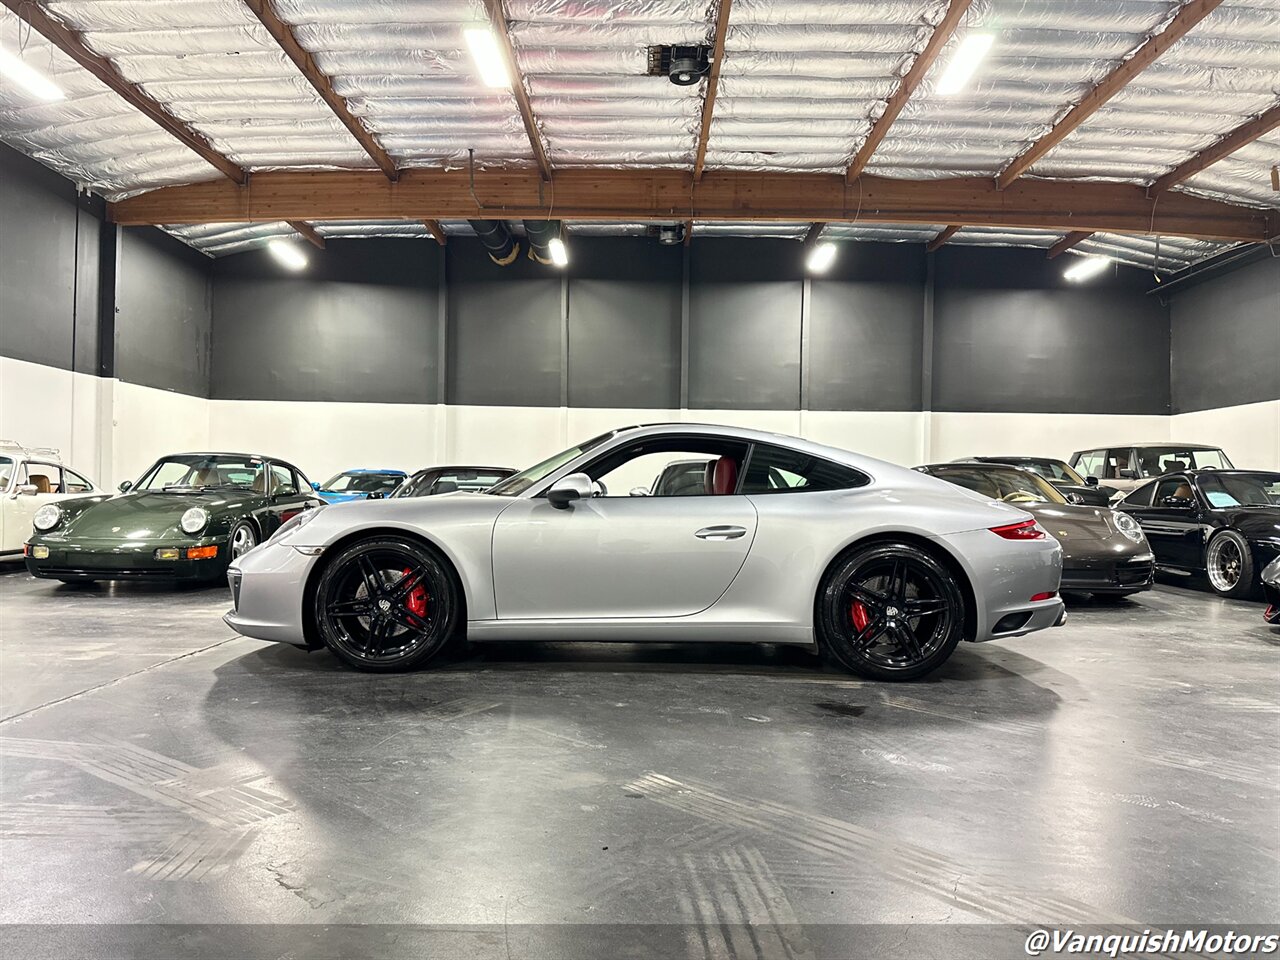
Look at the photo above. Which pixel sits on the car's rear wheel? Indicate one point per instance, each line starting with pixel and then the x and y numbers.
pixel 890 611
pixel 386 604
pixel 1229 565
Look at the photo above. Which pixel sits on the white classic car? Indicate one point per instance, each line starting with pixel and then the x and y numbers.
pixel 30 477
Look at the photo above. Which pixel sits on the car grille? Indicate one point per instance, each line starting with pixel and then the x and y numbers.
pixel 233 578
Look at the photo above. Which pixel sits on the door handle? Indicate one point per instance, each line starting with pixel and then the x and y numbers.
pixel 721 532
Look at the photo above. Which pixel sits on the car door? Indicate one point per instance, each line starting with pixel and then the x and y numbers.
pixel 287 496
pixel 21 506
pixel 1175 530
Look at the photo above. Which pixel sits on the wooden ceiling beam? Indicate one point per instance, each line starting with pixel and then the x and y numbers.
pixel 1241 136
pixel 667 195
pixel 913 78
pixel 72 44
pixel 498 20
pixel 713 85
pixel 307 231
pixel 1067 242
pixel 282 33
pixel 436 231
pixel 943 236
pixel 1191 13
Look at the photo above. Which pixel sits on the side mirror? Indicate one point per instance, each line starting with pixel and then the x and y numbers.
pixel 1075 498
pixel 1178 503
pixel 1129 474
pixel 314 485
pixel 126 486
pixel 25 489
pixel 576 486
pixel 1090 481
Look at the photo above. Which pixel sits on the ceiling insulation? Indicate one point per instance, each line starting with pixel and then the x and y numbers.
pixel 800 86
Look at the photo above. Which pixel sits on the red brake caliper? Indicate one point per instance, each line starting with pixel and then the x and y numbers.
pixel 416 602
pixel 858 611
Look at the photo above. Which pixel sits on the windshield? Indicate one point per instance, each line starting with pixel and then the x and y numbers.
pixel 363 482
pixel 1157 461
pixel 1007 484
pixel 1053 470
pixel 518 483
pixel 430 482
pixel 197 471
pixel 6 471
pixel 1242 490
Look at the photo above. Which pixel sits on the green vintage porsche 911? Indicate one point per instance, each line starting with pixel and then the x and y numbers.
pixel 186 518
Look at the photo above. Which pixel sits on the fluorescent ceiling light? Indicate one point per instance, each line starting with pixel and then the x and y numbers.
pixel 559 255
pixel 28 77
pixel 964 61
pixel 287 254
pixel 1086 267
pixel 488 56
pixel 821 258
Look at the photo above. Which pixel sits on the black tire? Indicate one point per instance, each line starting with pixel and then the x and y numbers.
pixel 1228 565
pixel 386 604
pixel 864 612
pixel 242 538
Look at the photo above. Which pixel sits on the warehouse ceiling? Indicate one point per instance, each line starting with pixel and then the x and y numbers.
pixel 800 87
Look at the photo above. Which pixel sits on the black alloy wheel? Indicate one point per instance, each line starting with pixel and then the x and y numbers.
pixel 890 611
pixel 386 604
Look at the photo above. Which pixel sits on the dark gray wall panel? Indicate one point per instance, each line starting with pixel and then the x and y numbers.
pixel 1011 336
pixel 744 324
pixel 1226 339
pixel 48 266
pixel 360 323
pixel 163 313
pixel 504 329
pixel 866 329
pixel 624 324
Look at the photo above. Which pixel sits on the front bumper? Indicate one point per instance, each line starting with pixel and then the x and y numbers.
pixel 268 604
pixel 131 560
pixel 1125 575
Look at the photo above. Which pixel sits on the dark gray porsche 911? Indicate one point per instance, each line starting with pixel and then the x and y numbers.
pixel 1104 551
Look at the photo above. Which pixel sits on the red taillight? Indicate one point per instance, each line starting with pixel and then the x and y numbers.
pixel 1043 596
pixel 1026 530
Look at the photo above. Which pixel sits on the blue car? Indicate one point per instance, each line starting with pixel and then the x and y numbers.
pixel 359 485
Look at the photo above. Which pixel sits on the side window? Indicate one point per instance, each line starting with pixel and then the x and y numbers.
pixel 1142 496
pixel 1090 463
pixel 670 467
pixel 778 470
pixel 282 481
pixel 46 477
pixel 1117 460
pixel 75 483
pixel 1172 487
pixel 301 482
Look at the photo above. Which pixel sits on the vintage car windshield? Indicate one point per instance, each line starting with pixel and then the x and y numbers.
pixel 363 482
pixel 1008 484
pixel 1157 461
pixel 1241 490
pixel 204 470
pixel 6 471
pixel 518 483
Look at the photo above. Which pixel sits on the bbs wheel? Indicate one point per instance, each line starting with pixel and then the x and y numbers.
pixel 243 539
pixel 890 611
pixel 386 604
pixel 1229 565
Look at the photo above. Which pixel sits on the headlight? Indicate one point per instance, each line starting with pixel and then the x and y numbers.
pixel 194 520
pixel 1127 525
pixel 47 517
pixel 294 523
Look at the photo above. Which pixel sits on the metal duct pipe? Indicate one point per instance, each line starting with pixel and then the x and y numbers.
pixel 498 242
pixel 540 233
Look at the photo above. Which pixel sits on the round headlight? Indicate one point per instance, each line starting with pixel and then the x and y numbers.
pixel 47 517
pixel 1127 525
pixel 194 520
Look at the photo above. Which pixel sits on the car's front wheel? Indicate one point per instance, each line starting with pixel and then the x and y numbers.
pixel 243 538
pixel 386 604
pixel 1229 565
pixel 890 611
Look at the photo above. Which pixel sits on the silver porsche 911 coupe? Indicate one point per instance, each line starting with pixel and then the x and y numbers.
pixel 784 541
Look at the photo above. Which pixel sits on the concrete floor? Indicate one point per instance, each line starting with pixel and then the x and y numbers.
pixel 1122 769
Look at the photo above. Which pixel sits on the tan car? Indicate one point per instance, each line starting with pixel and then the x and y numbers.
pixel 30 477
pixel 1127 466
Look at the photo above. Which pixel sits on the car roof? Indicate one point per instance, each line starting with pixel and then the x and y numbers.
pixel 400 473
pixel 1211 472
pixel 1015 459
pixel 976 463
pixel 1167 444
pixel 463 466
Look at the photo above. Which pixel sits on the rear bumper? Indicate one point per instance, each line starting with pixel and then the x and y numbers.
pixel 1005 575
pixel 1109 576
pixel 112 560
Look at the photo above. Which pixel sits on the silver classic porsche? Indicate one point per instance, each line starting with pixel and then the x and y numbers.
pixel 783 541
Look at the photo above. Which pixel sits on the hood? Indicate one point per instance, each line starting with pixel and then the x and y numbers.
pixel 1074 522
pixel 148 515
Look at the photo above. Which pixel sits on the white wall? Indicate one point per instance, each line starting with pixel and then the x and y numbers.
pixel 112 430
